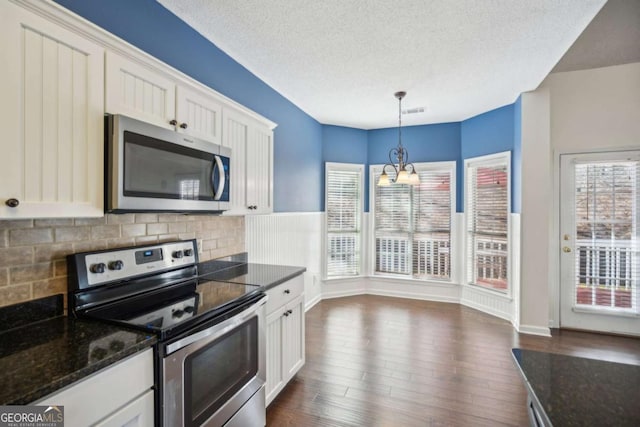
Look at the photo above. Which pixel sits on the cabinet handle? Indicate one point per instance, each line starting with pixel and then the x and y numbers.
pixel 287 291
pixel 252 207
pixel 289 312
pixel 286 313
pixel 183 125
pixel 173 122
pixel 12 203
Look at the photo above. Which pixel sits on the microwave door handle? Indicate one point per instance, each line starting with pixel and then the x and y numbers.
pixel 221 178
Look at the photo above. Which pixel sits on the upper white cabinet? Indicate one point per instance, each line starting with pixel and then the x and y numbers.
pixel 251 143
pixel 51 113
pixel 139 91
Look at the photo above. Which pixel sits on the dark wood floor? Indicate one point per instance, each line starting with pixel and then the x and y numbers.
pixel 380 361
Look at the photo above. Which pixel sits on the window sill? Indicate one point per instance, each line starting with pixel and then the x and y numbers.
pixel 390 278
pixel 342 278
pixel 605 312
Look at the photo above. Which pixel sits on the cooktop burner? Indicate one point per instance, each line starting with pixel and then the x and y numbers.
pixel 154 288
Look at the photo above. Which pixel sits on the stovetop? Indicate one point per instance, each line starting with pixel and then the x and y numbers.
pixel 154 288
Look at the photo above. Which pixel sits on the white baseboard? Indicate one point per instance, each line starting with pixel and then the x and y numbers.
pixel 534 330
pixel 412 295
pixel 308 305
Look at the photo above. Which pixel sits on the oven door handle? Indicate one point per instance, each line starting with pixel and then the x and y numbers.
pixel 212 333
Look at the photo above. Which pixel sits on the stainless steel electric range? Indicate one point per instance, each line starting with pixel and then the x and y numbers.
pixel 210 364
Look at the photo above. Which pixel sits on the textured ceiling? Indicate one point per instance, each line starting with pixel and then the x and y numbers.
pixel 341 61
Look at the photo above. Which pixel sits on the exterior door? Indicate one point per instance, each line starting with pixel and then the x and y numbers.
pixel 599 242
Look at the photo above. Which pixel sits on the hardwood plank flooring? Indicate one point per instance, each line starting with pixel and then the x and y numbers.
pixel 381 361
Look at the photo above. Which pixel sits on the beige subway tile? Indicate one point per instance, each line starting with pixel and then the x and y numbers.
pixel 53 222
pixel 209 244
pixel 177 227
pixel 45 288
pixel 16 256
pixel 90 221
pixel 4 276
pixel 146 240
pixel 89 246
pixel 50 252
pixel 72 234
pixel 166 217
pixel 3 238
pixel 168 237
pixel 105 232
pixel 30 273
pixel 30 236
pixel 121 242
pixel 186 236
pixel 15 294
pixel 120 218
pixel 15 223
pixel 60 268
pixel 146 218
pixel 194 226
pixel 159 228
pixel 132 230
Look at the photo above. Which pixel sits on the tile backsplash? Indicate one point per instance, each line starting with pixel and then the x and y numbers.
pixel 32 252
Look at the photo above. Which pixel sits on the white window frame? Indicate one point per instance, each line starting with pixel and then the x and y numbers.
pixel 350 167
pixel 449 166
pixel 502 158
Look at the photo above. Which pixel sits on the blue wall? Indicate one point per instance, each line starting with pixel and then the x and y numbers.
pixel 298 174
pixel 489 133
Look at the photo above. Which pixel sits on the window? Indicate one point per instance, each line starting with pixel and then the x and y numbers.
pixel 343 206
pixel 412 224
pixel 487 200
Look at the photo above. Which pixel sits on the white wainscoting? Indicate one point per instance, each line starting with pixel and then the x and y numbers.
pixel 297 239
pixel 289 239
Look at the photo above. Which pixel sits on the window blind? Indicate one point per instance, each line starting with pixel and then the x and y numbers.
pixel 343 219
pixel 487 223
pixel 413 223
pixel 606 254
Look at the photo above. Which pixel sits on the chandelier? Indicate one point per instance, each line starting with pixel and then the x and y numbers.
pixel 399 156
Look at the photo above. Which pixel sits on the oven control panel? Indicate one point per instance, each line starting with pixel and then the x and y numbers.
pixel 121 264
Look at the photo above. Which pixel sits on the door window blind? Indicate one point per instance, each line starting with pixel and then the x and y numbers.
pixel 606 253
pixel 413 223
pixel 343 218
pixel 487 211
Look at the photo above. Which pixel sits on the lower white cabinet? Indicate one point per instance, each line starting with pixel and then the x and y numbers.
pixel 285 334
pixel 118 396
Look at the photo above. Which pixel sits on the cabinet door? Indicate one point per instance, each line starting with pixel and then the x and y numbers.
pixel 260 169
pixel 198 115
pixel 140 92
pixel 293 337
pixel 138 413
pixel 235 136
pixel 51 115
pixel 275 372
pixel 251 163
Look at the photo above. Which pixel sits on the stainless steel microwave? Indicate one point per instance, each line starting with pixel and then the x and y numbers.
pixel 152 169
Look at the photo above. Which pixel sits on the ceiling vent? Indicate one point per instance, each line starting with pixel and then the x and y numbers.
pixel 413 110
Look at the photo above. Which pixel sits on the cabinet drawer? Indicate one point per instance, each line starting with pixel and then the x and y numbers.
pixel 284 293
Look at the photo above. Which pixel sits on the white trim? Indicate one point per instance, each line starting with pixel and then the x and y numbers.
pixel 308 305
pixel 488 160
pixel 79 25
pixel 534 330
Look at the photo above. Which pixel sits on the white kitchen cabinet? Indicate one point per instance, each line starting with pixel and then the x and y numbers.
pixel 285 335
pixel 139 91
pixel 251 143
pixel 51 113
pixel 120 395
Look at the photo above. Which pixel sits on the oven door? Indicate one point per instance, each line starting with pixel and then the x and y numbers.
pixel 211 374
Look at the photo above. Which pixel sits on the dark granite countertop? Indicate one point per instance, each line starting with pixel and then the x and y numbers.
pixel 574 391
pixel 42 351
pixel 265 275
